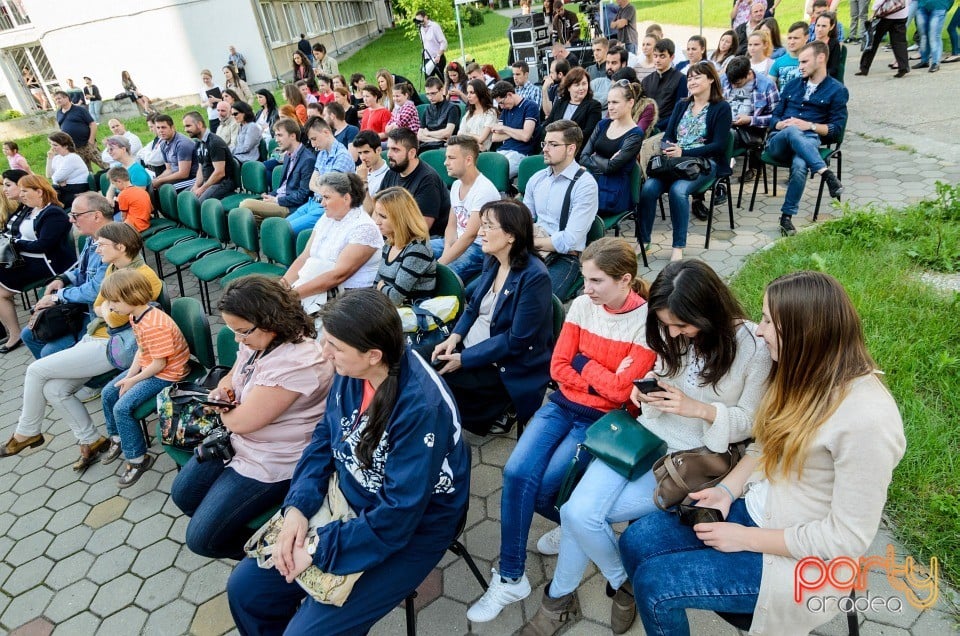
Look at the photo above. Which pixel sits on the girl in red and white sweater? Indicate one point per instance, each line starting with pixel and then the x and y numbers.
pixel 600 351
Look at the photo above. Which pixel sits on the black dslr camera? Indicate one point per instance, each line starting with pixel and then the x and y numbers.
pixel 216 445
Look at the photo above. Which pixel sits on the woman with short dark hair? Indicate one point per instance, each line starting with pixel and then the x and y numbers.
pixel 391 441
pixel 497 360
pixel 65 168
pixel 278 389
pixel 247 145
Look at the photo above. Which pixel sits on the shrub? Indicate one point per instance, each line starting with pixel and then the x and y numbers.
pixel 440 11
pixel 471 15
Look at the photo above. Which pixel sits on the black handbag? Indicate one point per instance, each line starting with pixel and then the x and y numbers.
pixel 674 168
pixel 62 319
pixel 748 137
pixel 9 256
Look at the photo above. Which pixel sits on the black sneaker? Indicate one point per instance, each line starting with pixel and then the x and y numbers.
pixel 721 195
pixel 934 68
pixel 834 185
pixel 699 210
pixel 504 424
pixel 786 226
pixel 921 65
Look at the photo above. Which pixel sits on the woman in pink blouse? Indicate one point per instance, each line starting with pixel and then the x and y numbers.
pixel 278 390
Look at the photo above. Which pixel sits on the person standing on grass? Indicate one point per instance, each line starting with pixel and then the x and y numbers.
pixel 161 359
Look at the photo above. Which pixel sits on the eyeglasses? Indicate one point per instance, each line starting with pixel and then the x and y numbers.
pixel 433 93
pixel 552 144
pixel 234 113
pixel 74 215
pixel 242 334
pixel 486 227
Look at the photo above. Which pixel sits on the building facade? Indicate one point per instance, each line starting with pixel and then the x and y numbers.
pixel 163 44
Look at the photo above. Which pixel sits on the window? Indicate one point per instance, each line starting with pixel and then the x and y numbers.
pixel 322 18
pixel 270 20
pixel 293 21
pixel 309 19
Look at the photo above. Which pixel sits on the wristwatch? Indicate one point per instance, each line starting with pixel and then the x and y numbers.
pixel 813 127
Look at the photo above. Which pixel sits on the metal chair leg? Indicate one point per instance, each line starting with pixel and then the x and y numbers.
pixel 411 615
pixel 461 551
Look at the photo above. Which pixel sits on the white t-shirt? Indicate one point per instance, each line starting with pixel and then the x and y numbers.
pixel 482 191
pixel 375 178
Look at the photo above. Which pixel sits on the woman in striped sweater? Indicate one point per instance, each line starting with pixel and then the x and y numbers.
pixel 408 270
pixel 601 350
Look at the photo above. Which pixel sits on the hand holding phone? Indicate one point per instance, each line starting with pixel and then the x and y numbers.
pixel 692 515
pixel 217 404
pixel 647 385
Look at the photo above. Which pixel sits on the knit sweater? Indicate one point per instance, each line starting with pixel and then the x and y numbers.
pixel 411 275
pixel 735 397
pixel 592 344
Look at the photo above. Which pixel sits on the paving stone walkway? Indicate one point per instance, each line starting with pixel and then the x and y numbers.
pixel 78 556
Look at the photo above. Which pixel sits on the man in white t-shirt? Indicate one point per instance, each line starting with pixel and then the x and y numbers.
pixel 372 167
pixel 459 249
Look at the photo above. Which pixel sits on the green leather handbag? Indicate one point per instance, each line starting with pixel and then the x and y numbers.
pixel 622 443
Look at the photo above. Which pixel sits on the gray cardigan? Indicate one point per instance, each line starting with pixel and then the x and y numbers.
pixel 247 145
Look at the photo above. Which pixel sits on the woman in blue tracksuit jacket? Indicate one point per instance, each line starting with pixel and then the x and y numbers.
pixel 392 433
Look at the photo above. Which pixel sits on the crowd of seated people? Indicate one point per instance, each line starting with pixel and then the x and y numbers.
pixel 349 167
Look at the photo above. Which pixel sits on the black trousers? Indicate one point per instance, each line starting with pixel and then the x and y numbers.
pixel 898 40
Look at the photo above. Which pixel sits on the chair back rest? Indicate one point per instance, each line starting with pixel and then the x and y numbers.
pixel 253 177
pixel 164 298
pixel 168 201
pixel 277 242
pixel 596 230
pixel 528 167
pixel 421 109
pixel 449 284
pixel 188 314
pixel 92 184
pixel 495 167
pixel 271 145
pixel 842 67
pixel 227 347
pixel 636 182
pixel 277 177
pixel 302 239
pixel 559 314
pixel 243 229
pixel 435 159
pixel 81 243
pixel 188 210
pixel 213 220
pixel 104 183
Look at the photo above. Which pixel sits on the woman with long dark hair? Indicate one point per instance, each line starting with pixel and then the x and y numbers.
pixel 481 115
pixel 726 50
pixel 825 30
pixel 392 436
pixel 698 127
pixel 497 360
pixel 828 437
pixel 278 387
pixel 712 372
pixel 268 113
pixel 301 67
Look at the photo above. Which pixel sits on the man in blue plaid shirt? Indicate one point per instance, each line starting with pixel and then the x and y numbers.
pixel 752 99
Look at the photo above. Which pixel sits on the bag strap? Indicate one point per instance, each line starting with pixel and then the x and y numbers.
pixel 675 474
pixel 565 210
pixel 423 315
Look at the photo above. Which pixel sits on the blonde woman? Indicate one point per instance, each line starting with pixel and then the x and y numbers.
pixel 408 270
pixel 760 48
pixel 385 83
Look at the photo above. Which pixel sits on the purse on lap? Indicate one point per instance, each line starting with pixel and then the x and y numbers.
pixel 678 474
pixel 323 587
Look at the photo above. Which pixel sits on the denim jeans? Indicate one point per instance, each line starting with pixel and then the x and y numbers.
pixel 305 217
pixel 679 204
pixel 952 31
pixel 95 108
pixel 564 272
pixel 532 478
pixel 803 149
pixel 467 265
pixel 930 25
pixel 118 412
pixel 220 502
pixel 673 570
pixel 601 498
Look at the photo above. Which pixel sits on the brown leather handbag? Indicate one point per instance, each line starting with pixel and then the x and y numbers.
pixel 678 474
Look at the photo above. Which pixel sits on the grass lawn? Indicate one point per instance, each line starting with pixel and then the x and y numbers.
pixel 913 332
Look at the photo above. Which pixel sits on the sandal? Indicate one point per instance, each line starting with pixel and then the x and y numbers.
pixel 133 472
pixel 112 453
pixel 88 454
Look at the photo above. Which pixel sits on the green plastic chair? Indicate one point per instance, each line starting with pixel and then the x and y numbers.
pixel 595 232
pixel 243 234
pixel 842 67
pixel 435 159
pixel 186 252
pixel 421 109
pixel 713 188
pixel 92 182
pixel 253 183
pixel 104 183
pixel 495 167
pixel 614 219
pixel 271 146
pixel 449 284
pixel 528 167
pixel 506 73
pixel 188 205
pixel 277 245
pixel 302 239
pixel 559 315
pixel 276 178
pixel 227 347
pixel 165 216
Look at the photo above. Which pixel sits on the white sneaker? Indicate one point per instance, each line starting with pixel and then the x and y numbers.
pixel 549 544
pixel 498 596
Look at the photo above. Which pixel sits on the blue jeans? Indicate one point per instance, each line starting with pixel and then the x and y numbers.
pixel 952 31
pixel 467 265
pixel 802 148
pixel 220 502
pixel 602 497
pixel 305 217
pixel 930 25
pixel 673 570
pixel 95 108
pixel 679 204
pixel 118 412
pixel 532 478
pixel 564 272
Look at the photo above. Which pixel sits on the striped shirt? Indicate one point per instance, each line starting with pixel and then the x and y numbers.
pixel 159 337
pixel 412 274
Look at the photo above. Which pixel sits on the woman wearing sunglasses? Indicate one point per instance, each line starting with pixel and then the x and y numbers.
pixel 247 145
pixel 278 391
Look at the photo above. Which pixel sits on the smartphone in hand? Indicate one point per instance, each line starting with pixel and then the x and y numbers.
pixel 692 515
pixel 648 385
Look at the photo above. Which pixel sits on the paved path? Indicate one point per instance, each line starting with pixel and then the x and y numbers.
pixel 79 557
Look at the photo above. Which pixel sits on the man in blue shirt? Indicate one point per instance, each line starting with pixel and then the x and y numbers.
pixel 298 165
pixel 563 198
pixel 518 122
pixel 812 111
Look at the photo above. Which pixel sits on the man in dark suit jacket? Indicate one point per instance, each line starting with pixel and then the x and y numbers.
pixel 298 166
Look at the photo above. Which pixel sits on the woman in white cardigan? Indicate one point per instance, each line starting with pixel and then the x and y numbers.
pixel 828 436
